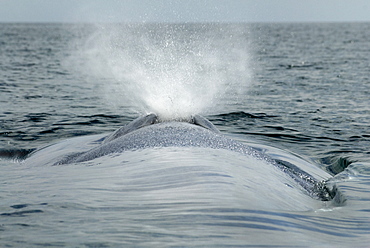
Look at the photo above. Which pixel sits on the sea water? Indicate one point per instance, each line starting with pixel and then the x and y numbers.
pixel 302 88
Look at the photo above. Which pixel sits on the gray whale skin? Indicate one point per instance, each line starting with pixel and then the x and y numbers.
pixel 149 132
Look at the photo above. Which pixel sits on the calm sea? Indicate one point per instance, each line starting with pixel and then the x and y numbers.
pixel 302 88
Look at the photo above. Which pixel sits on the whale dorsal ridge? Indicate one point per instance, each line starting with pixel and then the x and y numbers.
pixel 132 126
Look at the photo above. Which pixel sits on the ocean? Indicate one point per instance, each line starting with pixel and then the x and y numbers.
pixel 300 88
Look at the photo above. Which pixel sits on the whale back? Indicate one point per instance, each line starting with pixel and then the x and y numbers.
pixel 150 119
pixel 149 133
pixel 166 134
pixel 132 126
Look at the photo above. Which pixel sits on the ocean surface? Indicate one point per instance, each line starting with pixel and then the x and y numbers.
pixel 302 89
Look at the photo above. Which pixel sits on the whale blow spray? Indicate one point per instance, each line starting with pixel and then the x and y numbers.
pixel 174 70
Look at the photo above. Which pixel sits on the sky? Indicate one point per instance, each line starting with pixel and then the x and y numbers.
pixel 184 11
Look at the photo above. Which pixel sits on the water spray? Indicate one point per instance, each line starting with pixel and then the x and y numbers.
pixel 173 70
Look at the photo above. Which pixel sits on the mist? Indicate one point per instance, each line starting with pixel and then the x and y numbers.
pixel 173 70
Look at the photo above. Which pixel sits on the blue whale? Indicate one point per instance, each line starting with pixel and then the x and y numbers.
pixel 150 132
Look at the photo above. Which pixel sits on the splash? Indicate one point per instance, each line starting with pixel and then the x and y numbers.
pixel 173 70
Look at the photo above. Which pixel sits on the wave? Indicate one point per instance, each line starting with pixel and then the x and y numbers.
pixel 241 114
pixel 15 154
pixel 336 164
